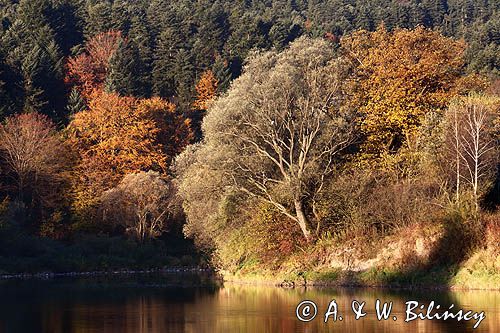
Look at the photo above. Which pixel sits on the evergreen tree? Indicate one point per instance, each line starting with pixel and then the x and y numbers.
pixel 278 35
pixel 127 72
pixel 75 103
pixel 210 37
pixel 436 10
pixel 64 19
pixel 31 68
pixel 222 73
pixel 31 48
pixel 184 72
pixel 163 80
pixel 248 33
pixel 8 84
pixel 121 15
pixel 169 43
pixel 483 54
pixel 98 18
pixel 139 34
pixel 364 18
pixel 4 100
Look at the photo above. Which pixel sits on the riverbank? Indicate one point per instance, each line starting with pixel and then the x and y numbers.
pixel 425 256
pixel 28 255
pixel 464 279
pixel 121 272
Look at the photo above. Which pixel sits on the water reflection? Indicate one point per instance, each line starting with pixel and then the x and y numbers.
pixel 192 305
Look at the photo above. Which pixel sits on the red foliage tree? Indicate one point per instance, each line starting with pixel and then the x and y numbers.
pixel 88 70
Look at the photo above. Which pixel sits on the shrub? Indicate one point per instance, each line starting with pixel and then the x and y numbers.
pixel 492 223
pixel 361 202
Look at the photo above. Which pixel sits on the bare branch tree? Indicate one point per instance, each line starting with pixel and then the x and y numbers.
pixel 142 202
pixel 32 151
pixel 473 142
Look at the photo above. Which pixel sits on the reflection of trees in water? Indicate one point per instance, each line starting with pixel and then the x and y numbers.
pixel 269 310
pixel 150 307
pixel 476 301
pixel 487 301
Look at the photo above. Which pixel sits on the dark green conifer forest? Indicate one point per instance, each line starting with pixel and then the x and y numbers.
pixel 170 43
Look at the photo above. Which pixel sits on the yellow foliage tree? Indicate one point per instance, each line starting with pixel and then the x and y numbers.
pixel 403 75
pixel 206 89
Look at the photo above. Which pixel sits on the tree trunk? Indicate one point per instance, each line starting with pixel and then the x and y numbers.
pixel 457 148
pixel 302 219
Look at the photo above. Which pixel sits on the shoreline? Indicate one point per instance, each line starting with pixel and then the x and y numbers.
pixel 356 286
pixel 412 259
pixel 261 280
pixel 250 280
pixel 116 272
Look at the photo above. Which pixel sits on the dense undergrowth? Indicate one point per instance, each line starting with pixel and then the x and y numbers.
pixel 24 253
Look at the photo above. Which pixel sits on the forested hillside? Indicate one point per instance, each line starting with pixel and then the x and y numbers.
pixel 168 44
pixel 269 125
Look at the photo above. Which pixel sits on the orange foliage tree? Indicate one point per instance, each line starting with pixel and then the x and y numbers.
pixel 403 75
pixel 174 131
pixel 88 70
pixel 206 89
pixel 121 135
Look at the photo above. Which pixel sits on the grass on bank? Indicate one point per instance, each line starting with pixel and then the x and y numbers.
pixel 446 254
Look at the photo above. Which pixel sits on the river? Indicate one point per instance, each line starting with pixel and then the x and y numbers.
pixel 164 303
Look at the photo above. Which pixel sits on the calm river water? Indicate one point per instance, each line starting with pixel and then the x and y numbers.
pixel 190 303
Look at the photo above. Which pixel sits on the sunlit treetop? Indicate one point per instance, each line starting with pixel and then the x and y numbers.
pixel 403 75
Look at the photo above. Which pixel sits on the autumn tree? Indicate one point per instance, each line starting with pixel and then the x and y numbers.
pixel 174 130
pixel 88 70
pixel 206 89
pixel 402 76
pixel 471 130
pixel 280 129
pixel 142 202
pixel 120 135
pixel 35 160
pixel 30 146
